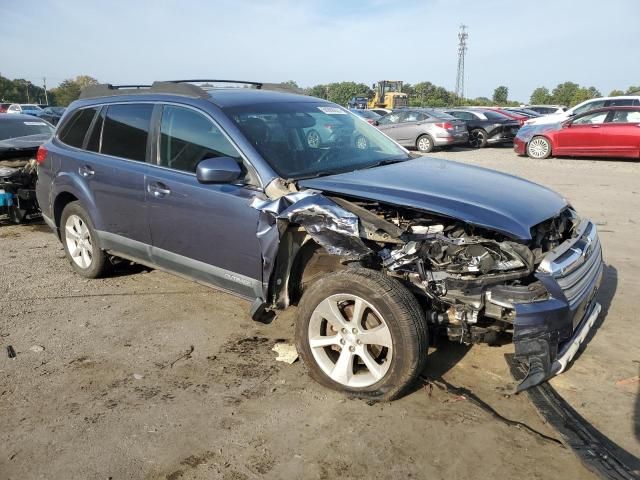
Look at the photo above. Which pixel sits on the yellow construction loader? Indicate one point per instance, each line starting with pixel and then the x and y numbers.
pixel 388 94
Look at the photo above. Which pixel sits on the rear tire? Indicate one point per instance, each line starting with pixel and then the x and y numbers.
pixel 362 332
pixel 539 148
pixel 80 242
pixel 478 138
pixel 425 144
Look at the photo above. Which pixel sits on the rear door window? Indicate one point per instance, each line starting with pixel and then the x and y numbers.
pixel 188 137
pixel 126 130
pixel 622 102
pixel 75 129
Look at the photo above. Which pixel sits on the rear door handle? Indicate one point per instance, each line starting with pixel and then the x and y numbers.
pixel 86 171
pixel 158 189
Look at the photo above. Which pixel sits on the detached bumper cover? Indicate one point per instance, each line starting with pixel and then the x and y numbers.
pixel 547 334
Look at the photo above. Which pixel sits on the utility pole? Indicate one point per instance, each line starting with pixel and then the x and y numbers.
pixel 462 49
pixel 26 84
pixel 46 97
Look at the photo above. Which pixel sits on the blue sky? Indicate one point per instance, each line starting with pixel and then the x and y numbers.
pixel 521 44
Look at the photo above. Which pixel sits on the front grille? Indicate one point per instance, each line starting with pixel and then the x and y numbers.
pixel 576 264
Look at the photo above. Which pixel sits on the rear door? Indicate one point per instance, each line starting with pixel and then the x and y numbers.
pixel 205 231
pixel 582 136
pixel 621 134
pixel 114 167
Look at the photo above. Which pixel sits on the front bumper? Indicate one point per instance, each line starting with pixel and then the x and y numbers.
pixel 548 333
pixel 519 146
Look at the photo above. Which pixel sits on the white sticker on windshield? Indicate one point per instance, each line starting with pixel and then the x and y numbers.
pixel 332 110
pixel 34 123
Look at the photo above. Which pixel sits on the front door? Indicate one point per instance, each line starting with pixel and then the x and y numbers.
pixel 582 136
pixel 390 123
pixel 204 231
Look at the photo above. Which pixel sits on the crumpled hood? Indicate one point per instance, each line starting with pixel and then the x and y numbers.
pixel 475 195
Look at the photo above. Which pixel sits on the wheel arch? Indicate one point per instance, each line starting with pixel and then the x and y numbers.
pixel 299 262
pixel 68 189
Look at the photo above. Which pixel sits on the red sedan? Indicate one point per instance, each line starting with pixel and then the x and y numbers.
pixel 606 132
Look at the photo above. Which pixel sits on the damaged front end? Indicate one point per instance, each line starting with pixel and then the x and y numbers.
pixel 17 190
pixel 476 285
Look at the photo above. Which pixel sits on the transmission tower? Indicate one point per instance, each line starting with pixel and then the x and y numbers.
pixel 462 48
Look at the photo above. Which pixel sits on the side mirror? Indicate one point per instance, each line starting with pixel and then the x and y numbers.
pixel 566 124
pixel 218 170
pixel 376 123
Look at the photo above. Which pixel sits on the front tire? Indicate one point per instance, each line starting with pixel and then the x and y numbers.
pixel 363 333
pixel 539 148
pixel 425 144
pixel 478 138
pixel 80 242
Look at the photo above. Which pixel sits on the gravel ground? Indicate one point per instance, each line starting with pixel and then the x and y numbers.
pixel 103 385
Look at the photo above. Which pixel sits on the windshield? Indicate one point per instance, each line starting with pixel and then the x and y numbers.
pixel 306 139
pixel 12 129
pixel 31 108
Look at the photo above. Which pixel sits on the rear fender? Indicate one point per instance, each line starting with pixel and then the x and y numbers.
pixel 68 183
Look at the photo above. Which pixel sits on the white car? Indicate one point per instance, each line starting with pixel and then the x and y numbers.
pixel 546 109
pixel 622 101
pixel 25 108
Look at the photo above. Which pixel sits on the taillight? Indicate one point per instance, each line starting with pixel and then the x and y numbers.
pixel 445 125
pixel 41 156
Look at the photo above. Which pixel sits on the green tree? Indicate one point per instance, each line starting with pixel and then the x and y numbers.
pixel 341 92
pixel 290 83
pixel 583 94
pixel 501 95
pixel 616 93
pixel 563 94
pixel 633 90
pixel 319 91
pixel 540 96
pixel 69 90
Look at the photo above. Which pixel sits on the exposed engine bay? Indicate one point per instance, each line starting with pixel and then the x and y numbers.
pixel 17 190
pixel 469 275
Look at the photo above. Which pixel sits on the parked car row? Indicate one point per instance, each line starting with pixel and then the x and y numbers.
pixel 46 112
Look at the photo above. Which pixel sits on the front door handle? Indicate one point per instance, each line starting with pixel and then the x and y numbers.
pixel 86 171
pixel 595 126
pixel 158 189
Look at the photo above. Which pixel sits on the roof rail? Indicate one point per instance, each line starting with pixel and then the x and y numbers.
pixel 258 85
pixel 107 90
pixel 175 87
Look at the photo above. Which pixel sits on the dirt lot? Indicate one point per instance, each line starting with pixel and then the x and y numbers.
pixel 113 395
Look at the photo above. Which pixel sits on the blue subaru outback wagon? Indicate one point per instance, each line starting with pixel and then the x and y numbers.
pixel 226 184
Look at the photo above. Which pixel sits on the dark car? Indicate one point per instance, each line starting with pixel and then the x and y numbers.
pixel 486 127
pixel 424 128
pixel 52 114
pixel 604 132
pixel 20 137
pixel 4 107
pixel 380 251
pixel 368 115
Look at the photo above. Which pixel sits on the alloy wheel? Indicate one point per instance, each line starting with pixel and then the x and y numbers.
pixel 350 341
pixel 476 138
pixel 424 144
pixel 538 148
pixel 313 139
pixel 78 240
